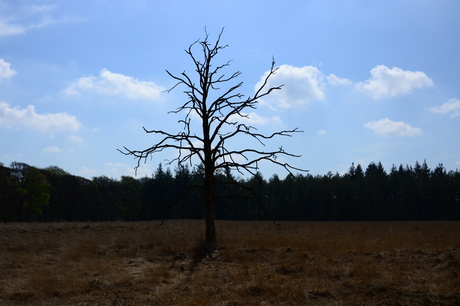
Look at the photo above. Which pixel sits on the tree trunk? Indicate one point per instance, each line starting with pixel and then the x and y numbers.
pixel 211 240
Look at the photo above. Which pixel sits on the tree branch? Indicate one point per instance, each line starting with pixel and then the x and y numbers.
pixel 219 120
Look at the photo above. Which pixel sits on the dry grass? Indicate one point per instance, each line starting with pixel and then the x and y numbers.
pixel 298 263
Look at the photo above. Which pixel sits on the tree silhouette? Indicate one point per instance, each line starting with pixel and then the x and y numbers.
pixel 221 112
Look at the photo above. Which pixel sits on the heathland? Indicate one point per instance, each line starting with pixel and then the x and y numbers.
pixel 256 263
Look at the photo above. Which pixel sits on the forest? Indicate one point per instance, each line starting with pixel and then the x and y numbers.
pixel 403 193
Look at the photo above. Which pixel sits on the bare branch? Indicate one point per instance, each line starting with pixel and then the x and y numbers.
pixel 219 122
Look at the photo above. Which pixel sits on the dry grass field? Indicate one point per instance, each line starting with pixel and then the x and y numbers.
pixel 257 263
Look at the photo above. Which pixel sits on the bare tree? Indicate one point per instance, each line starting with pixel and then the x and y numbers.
pixel 220 112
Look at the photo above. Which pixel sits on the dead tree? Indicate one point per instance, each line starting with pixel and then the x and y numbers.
pixel 218 111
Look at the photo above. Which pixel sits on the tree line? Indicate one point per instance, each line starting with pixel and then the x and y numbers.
pixel 407 192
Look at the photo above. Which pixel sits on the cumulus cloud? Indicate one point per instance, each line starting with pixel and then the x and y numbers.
pixel 386 127
pixel 28 117
pixel 51 150
pixel 452 106
pixel 301 86
pixel 386 82
pixel 336 80
pixel 5 70
pixel 322 132
pixel 110 83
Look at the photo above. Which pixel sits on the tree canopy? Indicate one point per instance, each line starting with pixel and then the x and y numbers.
pixel 371 194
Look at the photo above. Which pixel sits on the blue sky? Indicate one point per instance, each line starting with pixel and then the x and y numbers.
pixel 366 81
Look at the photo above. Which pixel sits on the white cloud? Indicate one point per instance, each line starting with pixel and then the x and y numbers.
pixel 336 80
pixel 5 70
pixel 254 118
pixel 42 8
pixel 7 28
pixel 75 138
pixel 386 127
pixel 452 106
pixel 22 19
pixel 28 117
pixel 51 150
pixel 110 83
pixel 386 82
pixel 322 132
pixel 301 86
pixel 115 165
pixel 118 169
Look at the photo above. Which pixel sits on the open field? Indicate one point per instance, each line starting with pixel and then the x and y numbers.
pixel 257 263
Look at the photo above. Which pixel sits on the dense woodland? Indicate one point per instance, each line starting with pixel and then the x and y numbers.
pixel 404 193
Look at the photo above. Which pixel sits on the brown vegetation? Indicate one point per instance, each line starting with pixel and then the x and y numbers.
pixel 257 263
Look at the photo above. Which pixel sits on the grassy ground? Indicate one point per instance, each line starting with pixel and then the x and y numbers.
pixel 257 263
